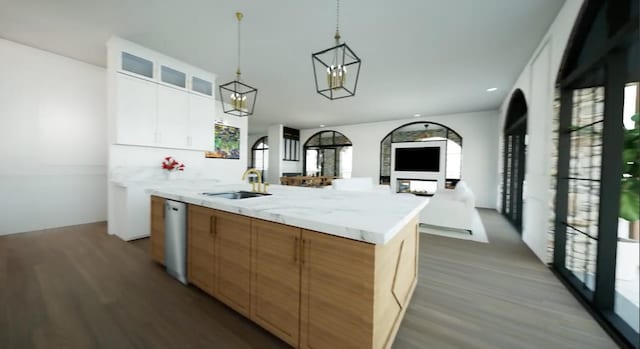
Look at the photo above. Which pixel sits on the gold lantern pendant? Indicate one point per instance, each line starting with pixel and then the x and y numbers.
pixel 333 62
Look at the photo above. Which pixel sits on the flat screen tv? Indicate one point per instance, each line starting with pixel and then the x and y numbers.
pixel 425 159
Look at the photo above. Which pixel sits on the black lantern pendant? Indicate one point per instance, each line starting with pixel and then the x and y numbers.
pixel 336 69
pixel 238 98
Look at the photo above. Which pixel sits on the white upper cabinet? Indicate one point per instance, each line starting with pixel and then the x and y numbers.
pixel 201 122
pixel 136 104
pixel 173 113
pixel 155 100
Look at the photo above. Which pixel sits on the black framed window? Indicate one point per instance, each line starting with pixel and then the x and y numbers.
pixel 260 155
pixel 328 153
pixel 597 209
pixel 291 144
pixel 423 132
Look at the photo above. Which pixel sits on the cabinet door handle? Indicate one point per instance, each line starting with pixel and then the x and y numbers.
pixel 303 251
pixel 296 250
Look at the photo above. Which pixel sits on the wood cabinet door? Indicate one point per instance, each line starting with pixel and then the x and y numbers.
pixel 157 229
pixel 201 248
pixel 336 308
pixel 275 284
pixel 233 258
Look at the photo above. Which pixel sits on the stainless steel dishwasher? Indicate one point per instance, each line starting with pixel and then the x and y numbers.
pixel 175 239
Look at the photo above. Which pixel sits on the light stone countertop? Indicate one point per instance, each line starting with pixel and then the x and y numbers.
pixel 373 217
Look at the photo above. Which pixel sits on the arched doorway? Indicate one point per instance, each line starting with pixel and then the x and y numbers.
pixel 514 152
pixel 328 153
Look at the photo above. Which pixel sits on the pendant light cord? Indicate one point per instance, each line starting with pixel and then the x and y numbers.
pixel 337 36
pixel 239 15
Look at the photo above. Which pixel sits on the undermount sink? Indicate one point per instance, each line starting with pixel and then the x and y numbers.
pixel 235 195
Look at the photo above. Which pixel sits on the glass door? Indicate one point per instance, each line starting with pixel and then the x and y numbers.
pixel 328 161
pixel 627 281
pixel 597 208
pixel 513 175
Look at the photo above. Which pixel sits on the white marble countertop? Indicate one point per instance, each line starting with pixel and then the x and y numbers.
pixel 373 217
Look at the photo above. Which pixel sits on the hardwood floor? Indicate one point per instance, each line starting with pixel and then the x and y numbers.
pixel 78 287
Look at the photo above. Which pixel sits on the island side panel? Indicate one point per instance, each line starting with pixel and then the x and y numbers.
pixel 157 229
pixel 396 276
pixel 336 309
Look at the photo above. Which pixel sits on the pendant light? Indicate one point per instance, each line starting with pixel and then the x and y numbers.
pixel 238 98
pixel 336 69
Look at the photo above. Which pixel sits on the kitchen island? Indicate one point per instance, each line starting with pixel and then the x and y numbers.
pixel 318 268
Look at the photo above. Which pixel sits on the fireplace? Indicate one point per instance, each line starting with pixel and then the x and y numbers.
pixel 426 187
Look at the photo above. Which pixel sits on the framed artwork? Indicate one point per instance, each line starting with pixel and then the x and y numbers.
pixel 227 143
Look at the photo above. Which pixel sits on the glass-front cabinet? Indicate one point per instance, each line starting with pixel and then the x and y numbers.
pixel 137 65
pixel 201 86
pixel 147 65
pixel 173 77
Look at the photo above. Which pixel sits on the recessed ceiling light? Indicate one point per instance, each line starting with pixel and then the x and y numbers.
pixel 417 115
pixel 492 89
pixel 323 125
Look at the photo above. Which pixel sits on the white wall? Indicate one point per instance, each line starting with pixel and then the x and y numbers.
pixel 52 140
pixel 479 131
pixel 537 81
pixel 276 145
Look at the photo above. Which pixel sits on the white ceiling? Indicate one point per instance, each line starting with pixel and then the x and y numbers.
pixel 418 56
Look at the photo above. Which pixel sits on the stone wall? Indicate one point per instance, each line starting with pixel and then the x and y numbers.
pixel 584 185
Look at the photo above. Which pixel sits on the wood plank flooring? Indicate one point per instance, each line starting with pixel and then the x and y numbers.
pixel 77 287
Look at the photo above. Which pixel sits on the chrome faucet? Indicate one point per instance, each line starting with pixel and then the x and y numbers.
pixel 262 187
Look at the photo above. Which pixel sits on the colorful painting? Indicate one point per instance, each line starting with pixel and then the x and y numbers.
pixel 227 143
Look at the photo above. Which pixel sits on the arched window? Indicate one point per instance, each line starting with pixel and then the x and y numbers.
pixel 423 132
pixel 328 153
pixel 260 155
pixel 597 208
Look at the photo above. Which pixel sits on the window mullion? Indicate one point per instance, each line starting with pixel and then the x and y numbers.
pixel 562 184
pixel 612 144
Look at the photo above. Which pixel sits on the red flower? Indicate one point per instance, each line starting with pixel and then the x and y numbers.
pixel 171 164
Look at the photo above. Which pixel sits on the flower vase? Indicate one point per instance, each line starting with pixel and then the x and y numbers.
pixel 170 175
